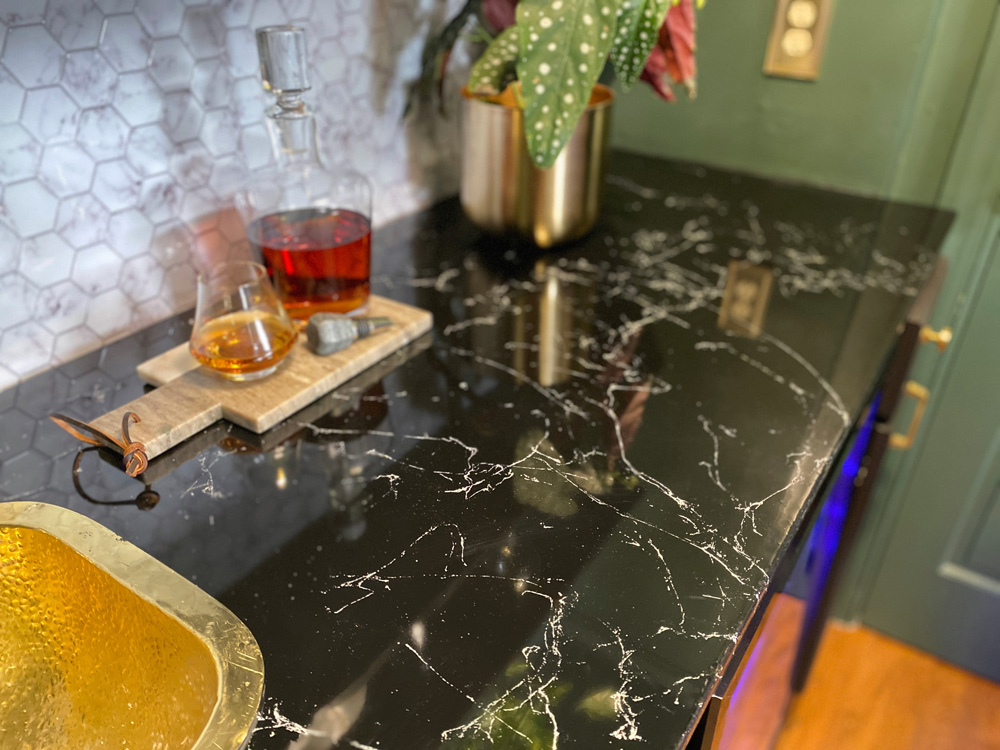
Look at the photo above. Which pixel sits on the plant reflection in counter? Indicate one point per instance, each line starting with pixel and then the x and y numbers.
pixel 535 453
pixel 517 722
pixel 534 323
pixel 534 456
pixel 541 327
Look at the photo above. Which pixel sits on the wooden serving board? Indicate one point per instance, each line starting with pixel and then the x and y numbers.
pixel 191 397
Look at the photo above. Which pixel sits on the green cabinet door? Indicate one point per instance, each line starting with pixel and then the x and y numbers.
pixel 936 561
pixel 939 583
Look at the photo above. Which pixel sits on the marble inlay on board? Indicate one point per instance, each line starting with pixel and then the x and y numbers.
pixel 125 129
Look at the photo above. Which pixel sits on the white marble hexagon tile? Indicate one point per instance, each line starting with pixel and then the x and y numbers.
pixel 126 126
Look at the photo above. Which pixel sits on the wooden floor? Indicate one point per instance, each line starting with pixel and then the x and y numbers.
pixel 866 692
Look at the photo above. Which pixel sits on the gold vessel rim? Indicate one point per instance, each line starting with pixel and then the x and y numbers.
pixel 606 93
pixel 238 659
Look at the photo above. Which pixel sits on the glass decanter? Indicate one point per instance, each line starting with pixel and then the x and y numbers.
pixel 310 225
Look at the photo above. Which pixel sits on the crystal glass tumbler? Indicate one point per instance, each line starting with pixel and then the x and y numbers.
pixel 241 329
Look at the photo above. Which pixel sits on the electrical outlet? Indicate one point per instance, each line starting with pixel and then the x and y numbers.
pixel 745 298
pixel 798 36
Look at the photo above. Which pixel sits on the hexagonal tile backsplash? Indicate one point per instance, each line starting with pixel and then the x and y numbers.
pixel 126 126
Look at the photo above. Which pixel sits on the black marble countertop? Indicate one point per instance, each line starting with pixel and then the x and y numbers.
pixel 551 521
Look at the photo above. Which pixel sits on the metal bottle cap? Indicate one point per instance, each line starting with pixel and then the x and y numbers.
pixel 284 61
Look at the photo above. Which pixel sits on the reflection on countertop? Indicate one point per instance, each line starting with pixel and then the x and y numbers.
pixel 553 518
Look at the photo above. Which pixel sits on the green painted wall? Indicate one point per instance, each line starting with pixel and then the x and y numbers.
pixel 880 120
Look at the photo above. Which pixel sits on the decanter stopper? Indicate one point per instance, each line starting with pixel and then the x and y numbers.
pixel 284 61
pixel 329 332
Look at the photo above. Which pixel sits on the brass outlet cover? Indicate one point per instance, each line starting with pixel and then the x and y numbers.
pixel 101 645
pixel 798 39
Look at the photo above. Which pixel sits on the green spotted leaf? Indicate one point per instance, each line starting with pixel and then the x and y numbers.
pixel 636 33
pixel 496 68
pixel 564 44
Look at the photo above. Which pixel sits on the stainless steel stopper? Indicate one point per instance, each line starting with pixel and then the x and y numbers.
pixel 328 332
pixel 284 62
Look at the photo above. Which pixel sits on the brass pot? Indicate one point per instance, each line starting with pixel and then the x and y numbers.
pixel 503 191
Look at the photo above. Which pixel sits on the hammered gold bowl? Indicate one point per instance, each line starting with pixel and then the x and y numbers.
pixel 102 646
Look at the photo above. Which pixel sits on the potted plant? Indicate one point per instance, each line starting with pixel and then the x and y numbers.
pixel 536 118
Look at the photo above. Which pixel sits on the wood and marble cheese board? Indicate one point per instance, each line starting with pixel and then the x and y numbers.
pixel 191 397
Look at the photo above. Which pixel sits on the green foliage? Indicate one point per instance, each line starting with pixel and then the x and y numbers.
pixel 496 68
pixel 557 50
pixel 564 44
pixel 515 722
pixel 638 26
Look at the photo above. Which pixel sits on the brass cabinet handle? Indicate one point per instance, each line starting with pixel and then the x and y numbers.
pixel 940 339
pixel 922 395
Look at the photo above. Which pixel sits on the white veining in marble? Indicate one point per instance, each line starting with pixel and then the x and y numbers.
pixel 125 129
pixel 694 603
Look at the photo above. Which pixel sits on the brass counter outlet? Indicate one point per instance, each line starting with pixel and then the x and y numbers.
pixel 103 646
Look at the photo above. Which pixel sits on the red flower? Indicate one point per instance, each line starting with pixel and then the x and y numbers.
pixel 679 43
pixel 674 53
pixel 499 13
pixel 654 74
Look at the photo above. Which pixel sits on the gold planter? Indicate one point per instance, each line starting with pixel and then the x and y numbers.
pixel 503 191
pixel 103 646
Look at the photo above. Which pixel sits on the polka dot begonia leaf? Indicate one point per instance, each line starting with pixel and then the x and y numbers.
pixel 496 68
pixel 636 33
pixel 563 46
